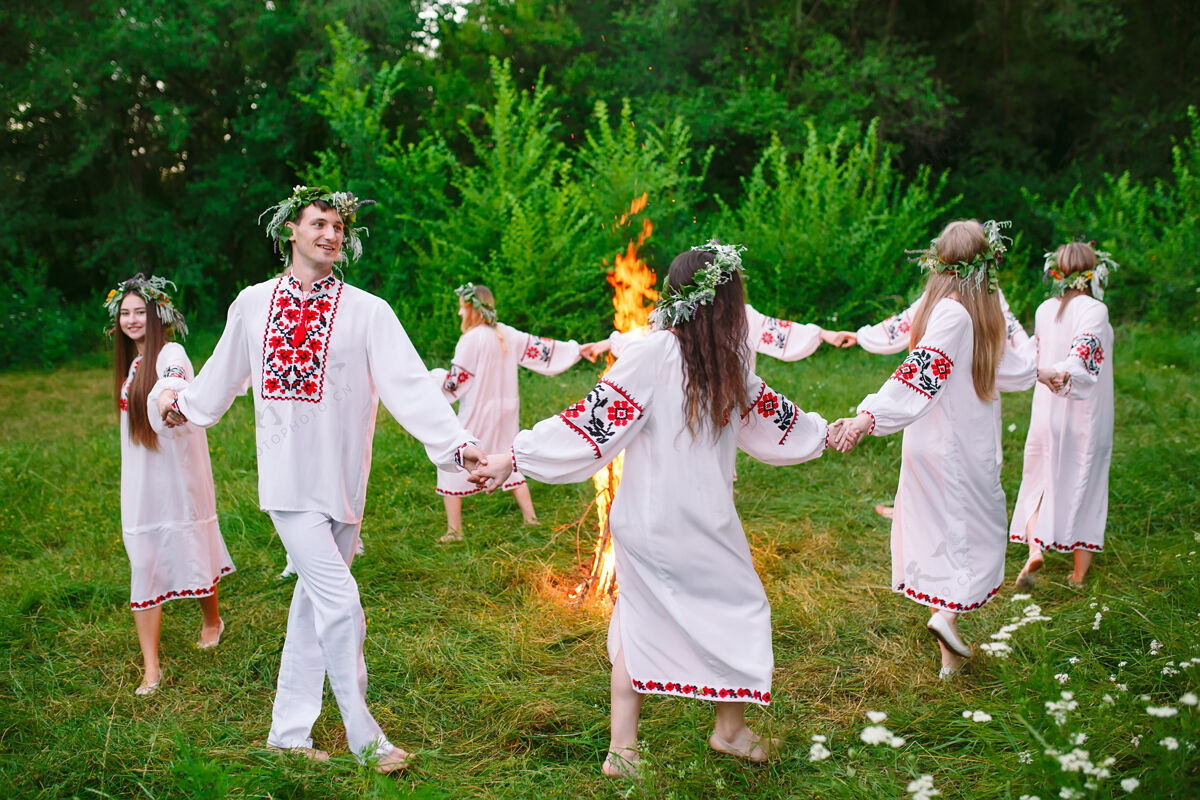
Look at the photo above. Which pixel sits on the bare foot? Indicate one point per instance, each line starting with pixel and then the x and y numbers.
pixel 451 535
pixel 1028 576
pixel 748 745
pixel 397 759
pixel 623 763
pixel 887 512
pixel 532 521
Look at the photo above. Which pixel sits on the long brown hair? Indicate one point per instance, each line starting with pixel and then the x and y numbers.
pixel 1073 257
pixel 962 240
pixel 714 349
pixel 124 352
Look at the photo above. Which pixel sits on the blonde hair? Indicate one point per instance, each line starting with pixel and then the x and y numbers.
pixel 1070 258
pixel 473 319
pixel 962 240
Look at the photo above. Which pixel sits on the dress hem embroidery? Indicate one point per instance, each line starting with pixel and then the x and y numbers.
pixel 177 594
pixel 702 692
pixel 926 599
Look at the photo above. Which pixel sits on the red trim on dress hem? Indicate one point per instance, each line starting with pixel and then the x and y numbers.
pixel 922 597
pixel 1068 548
pixel 174 595
pixel 702 692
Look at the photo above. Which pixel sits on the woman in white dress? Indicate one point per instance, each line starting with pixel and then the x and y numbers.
pixel 1063 501
pixel 691 618
pixel 949 523
pixel 483 380
pixel 168 506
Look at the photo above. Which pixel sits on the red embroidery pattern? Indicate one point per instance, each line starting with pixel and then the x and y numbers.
pixel 296 341
pixel 896 326
pixel 538 348
pixel 1066 548
pixel 775 333
pixel 173 594
pixel 922 597
pixel 672 687
pixel 605 408
pixel 775 407
pixel 924 371
pixel 1088 349
pixel 456 378
pixel 125 386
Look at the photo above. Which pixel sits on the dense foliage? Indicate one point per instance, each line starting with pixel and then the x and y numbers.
pixel 503 139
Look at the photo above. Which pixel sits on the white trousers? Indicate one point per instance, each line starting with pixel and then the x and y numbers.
pixel 325 633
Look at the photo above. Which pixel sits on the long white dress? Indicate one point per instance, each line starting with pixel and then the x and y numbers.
pixel 1069 446
pixel 168 505
pixel 948 529
pixel 483 379
pixel 691 618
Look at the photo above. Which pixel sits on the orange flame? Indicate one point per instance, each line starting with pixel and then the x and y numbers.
pixel 633 285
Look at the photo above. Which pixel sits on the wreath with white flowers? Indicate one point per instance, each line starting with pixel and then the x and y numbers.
pixel 153 291
pixel 1095 279
pixel 285 211
pixel 466 293
pixel 680 305
pixel 982 267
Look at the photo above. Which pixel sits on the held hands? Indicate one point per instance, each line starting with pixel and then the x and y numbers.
pixel 492 471
pixel 1055 381
pixel 170 417
pixel 593 349
pixel 847 432
pixel 839 338
pixel 473 458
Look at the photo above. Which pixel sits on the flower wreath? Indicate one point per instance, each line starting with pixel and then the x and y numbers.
pixel 466 293
pixel 152 290
pixel 680 305
pixel 345 203
pixel 1095 279
pixel 982 267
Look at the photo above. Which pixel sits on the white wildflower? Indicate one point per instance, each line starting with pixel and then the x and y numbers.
pixel 1016 598
pixel 1108 698
pixel 816 737
pixel 1062 677
pixel 977 716
pixel 1171 743
pixel 922 788
pixel 1067 793
pixel 1079 739
pixel 876 716
pixel 1162 711
pixel 1129 784
pixel 1073 660
pixel 1059 708
pixel 1025 757
pixel 1123 663
pixel 1189 699
pixel 1096 622
pixel 1122 687
pixel 818 752
pixel 1169 671
pixel 1136 740
pixel 996 649
pixel 1155 646
pixel 1029 797
pixel 1012 426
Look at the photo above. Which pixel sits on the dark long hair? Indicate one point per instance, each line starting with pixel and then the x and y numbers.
pixel 714 349
pixel 124 352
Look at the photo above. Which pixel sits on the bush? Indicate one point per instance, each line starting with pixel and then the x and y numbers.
pixel 39 329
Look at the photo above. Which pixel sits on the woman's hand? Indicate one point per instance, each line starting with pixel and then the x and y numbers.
pixel 492 472
pixel 839 338
pixel 847 432
pixel 167 410
pixel 593 349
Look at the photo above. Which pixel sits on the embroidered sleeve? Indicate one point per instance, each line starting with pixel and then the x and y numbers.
pixel 225 375
pixel 781 338
pixel 775 431
pixel 1090 350
pixel 457 381
pixel 889 336
pixel 574 444
pixel 913 389
pixel 546 356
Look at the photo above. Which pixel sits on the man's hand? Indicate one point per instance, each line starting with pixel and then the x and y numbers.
pixel 166 409
pixel 492 474
pixel 473 457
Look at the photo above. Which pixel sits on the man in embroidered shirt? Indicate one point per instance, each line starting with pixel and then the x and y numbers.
pixel 319 354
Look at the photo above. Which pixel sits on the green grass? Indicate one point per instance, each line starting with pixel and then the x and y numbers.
pixel 500 686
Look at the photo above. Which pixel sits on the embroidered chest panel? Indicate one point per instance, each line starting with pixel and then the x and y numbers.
pixel 538 349
pixel 776 408
pixel 296 341
pixel 897 327
pixel 1088 349
pixel 597 417
pixel 925 371
pixel 775 333
pixel 133 368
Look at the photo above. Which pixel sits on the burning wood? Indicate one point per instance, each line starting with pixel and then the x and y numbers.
pixel 633 285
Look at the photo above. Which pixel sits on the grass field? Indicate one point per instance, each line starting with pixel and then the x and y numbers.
pixel 480 665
